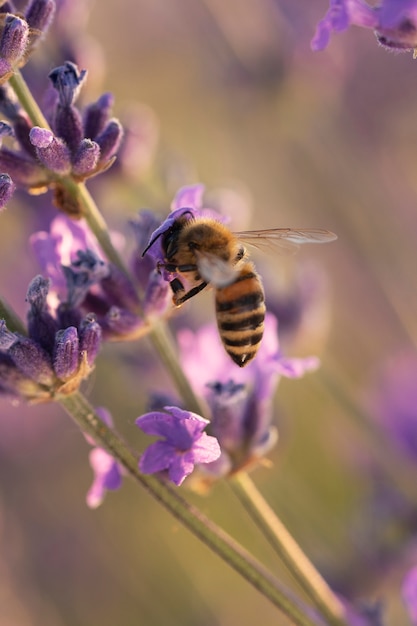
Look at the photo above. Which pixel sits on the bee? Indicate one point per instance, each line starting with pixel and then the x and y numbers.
pixel 202 251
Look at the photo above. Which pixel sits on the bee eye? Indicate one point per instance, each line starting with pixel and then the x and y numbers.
pixel 193 245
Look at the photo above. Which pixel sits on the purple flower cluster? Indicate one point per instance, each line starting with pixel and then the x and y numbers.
pixel 54 358
pixel 240 403
pixel 83 282
pixel 77 145
pixel 393 21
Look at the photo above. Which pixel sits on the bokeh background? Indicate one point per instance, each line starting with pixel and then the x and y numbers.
pixel 229 94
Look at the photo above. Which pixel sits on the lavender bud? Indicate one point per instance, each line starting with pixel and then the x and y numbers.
pixel 67 80
pixel 109 140
pixel 51 151
pixel 32 360
pixel 7 188
pixel 22 170
pixel 66 353
pixel 90 338
pixel 86 158
pixel 42 326
pixel 68 126
pixel 39 14
pixel 96 115
pixel 14 382
pixel 14 38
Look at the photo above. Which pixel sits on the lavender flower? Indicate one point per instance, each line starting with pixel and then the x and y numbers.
pixel 394 402
pixel 77 146
pixel 394 22
pixel 84 283
pixel 52 359
pixel 184 443
pixel 108 472
pixel 240 400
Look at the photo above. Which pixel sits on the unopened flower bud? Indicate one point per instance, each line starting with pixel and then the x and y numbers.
pixel 109 140
pixel 14 38
pixel 39 14
pixel 51 151
pixel 32 360
pixel 7 188
pixel 66 353
pixel 96 115
pixel 86 158
pixel 90 338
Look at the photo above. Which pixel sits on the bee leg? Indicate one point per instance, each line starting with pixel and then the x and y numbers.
pixel 190 294
pixel 177 289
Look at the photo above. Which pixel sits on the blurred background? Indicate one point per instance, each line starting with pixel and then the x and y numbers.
pixel 229 94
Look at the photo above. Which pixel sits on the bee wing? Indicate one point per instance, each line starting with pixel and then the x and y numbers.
pixel 214 270
pixel 284 239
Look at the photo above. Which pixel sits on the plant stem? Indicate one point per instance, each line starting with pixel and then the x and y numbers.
pixel 288 550
pixel 213 536
pixel 13 321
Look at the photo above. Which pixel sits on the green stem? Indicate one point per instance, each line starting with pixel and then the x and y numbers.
pixel 96 222
pixel 289 551
pixel 13 321
pixel 213 536
pixel 163 343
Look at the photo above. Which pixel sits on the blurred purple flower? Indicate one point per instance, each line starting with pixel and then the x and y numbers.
pixel 409 593
pixel 394 22
pixel 394 402
pixel 240 400
pixel 184 443
pixel 108 472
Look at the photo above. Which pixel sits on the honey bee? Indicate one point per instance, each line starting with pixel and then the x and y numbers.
pixel 203 251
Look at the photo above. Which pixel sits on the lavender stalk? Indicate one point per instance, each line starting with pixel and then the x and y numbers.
pixel 216 539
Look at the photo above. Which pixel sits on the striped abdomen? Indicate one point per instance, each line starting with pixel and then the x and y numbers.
pixel 240 309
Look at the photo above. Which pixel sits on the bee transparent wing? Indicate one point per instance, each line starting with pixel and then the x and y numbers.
pixel 214 270
pixel 284 239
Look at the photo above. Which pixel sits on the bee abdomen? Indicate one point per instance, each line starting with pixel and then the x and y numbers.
pixel 240 311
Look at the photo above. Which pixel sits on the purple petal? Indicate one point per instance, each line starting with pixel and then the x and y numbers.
pixel 409 593
pixel 297 367
pixel 180 468
pixel 157 457
pixel 206 449
pixel 190 197
pixel 180 428
pixel 106 476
